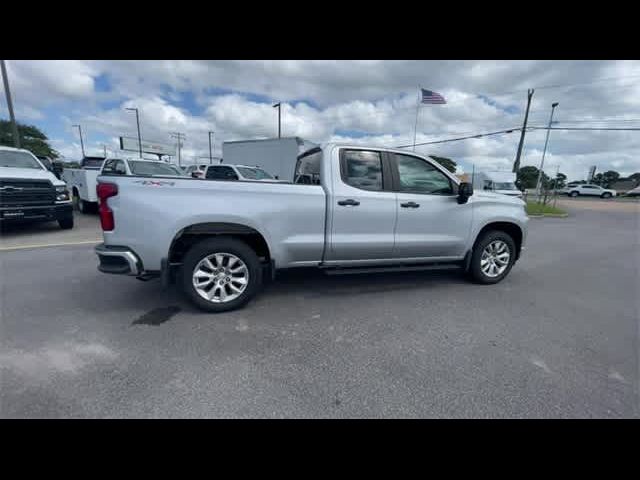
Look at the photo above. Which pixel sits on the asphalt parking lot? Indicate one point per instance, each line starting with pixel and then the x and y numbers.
pixel 557 338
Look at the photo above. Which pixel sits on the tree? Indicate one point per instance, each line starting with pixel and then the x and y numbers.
pixel 446 163
pixel 558 182
pixel 527 177
pixel 635 177
pixel 606 179
pixel 31 138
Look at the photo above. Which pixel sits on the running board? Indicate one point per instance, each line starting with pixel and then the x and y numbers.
pixel 397 268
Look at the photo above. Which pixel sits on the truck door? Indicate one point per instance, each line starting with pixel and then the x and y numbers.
pixel 430 223
pixel 363 209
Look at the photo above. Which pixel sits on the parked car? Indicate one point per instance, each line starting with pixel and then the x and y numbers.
pixel 369 209
pixel 633 193
pixel 589 189
pixel 196 171
pixel 238 172
pixel 82 183
pixel 30 192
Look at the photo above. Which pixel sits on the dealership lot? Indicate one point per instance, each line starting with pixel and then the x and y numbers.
pixel 557 338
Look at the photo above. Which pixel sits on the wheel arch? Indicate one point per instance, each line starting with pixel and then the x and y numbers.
pixel 513 229
pixel 194 233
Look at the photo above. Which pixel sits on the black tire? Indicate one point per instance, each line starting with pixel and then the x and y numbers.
pixel 208 247
pixel 66 223
pixel 573 194
pixel 475 270
pixel 605 195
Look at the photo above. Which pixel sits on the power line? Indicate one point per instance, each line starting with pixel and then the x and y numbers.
pixel 587 128
pixel 479 135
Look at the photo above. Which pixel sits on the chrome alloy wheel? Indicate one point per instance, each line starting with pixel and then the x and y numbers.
pixel 495 258
pixel 220 277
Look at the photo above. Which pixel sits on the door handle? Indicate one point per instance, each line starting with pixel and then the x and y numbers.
pixel 410 205
pixel 350 201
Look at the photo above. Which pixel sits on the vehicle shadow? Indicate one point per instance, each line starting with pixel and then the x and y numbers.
pixel 314 282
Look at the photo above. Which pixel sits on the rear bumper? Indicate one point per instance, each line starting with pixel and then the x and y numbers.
pixel 43 213
pixel 118 260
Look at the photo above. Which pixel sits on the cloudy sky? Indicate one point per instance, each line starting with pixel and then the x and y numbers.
pixel 371 102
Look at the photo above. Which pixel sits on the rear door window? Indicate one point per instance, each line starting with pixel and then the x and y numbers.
pixel 362 169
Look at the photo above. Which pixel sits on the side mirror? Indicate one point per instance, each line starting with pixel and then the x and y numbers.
pixel 465 190
pixel 277 177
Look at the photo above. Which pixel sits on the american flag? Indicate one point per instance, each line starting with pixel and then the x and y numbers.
pixel 431 97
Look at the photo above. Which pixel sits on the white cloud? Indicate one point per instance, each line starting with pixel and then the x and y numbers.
pixel 377 98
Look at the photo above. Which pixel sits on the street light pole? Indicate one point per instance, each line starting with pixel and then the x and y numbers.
pixel 279 119
pixel 138 124
pixel 14 126
pixel 210 152
pixel 544 151
pixel 81 142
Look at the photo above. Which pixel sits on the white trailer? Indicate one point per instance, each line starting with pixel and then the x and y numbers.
pixel 82 182
pixel 277 156
pixel 497 181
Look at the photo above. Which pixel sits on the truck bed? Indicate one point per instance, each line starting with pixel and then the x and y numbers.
pixel 290 217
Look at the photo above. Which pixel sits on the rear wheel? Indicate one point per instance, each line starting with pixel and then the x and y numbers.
pixel 492 258
pixel 81 205
pixel 221 274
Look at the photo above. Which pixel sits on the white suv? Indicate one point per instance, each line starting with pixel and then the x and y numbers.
pixel 587 189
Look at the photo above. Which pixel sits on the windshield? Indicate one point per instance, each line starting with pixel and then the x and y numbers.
pixel 504 186
pixel 92 162
pixel 153 168
pixel 254 173
pixel 18 160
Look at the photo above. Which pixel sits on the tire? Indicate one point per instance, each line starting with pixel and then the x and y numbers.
pixel 226 247
pixel 66 223
pixel 573 194
pixel 605 195
pixel 79 204
pixel 476 268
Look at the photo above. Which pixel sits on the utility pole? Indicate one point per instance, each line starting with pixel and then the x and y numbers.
pixel 104 147
pixel 210 151
pixel 14 126
pixel 516 164
pixel 138 124
pixel 555 186
pixel 279 119
pixel 81 141
pixel 179 136
pixel 544 151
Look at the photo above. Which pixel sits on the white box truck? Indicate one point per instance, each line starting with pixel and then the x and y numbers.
pixel 277 156
pixel 497 181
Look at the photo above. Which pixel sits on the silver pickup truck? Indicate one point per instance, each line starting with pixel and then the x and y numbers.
pixel 349 209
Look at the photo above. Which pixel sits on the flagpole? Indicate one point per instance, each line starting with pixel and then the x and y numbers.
pixel 415 127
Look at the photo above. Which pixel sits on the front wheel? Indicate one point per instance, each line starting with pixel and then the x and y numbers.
pixel 221 274
pixel 66 223
pixel 492 258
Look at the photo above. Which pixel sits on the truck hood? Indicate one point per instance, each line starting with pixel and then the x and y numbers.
pixel 498 197
pixel 30 174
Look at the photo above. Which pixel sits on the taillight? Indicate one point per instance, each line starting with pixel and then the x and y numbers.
pixel 104 191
